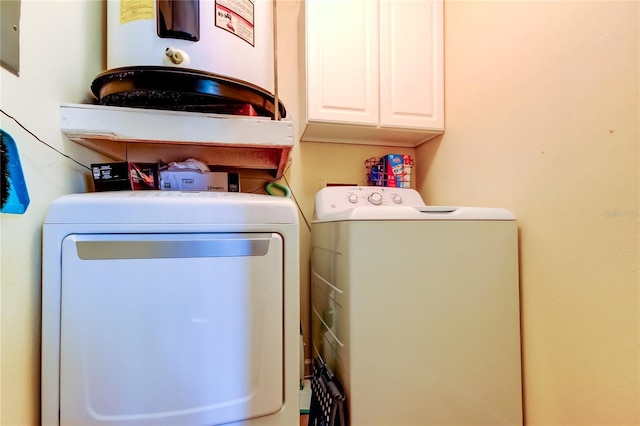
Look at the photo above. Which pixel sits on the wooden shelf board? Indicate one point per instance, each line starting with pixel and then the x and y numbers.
pixel 136 134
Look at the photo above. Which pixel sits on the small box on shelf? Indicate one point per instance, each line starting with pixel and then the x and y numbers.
pixel 391 170
pixel 194 180
pixel 120 176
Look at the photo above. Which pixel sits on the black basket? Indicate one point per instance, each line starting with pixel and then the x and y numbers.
pixel 327 399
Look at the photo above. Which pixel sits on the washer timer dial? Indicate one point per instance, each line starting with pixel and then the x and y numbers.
pixel 375 198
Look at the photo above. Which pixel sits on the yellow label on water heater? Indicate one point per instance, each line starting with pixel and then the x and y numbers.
pixel 136 10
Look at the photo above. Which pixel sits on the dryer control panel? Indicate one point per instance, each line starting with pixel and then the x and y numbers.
pixel 337 199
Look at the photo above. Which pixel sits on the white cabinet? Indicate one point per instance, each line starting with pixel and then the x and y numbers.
pixel 373 71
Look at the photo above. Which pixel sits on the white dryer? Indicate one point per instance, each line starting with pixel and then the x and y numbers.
pixel 416 308
pixel 170 308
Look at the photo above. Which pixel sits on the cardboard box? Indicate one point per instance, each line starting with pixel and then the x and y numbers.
pixel 194 180
pixel 393 167
pixel 392 170
pixel 120 176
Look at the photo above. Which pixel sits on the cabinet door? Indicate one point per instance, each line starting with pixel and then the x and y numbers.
pixel 411 64
pixel 342 61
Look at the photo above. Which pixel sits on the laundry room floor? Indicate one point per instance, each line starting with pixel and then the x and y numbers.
pixel 304 419
pixel 305 402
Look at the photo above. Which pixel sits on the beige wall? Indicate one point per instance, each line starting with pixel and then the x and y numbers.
pixel 542 117
pixel 529 108
pixel 60 54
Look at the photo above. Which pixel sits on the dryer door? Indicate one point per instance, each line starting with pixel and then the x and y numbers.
pixel 171 329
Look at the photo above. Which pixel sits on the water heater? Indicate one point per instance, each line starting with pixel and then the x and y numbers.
pixel 190 54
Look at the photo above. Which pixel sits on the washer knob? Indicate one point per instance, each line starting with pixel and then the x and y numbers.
pixel 396 199
pixel 375 198
pixel 353 198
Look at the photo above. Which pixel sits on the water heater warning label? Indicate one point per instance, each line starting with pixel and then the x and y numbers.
pixel 237 17
pixel 135 10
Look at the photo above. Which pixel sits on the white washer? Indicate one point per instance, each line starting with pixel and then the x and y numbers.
pixel 416 308
pixel 170 308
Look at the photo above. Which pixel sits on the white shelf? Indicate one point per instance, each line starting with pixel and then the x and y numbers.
pixel 137 134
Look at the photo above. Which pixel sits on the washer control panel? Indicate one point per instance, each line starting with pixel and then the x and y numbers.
pixel 336 199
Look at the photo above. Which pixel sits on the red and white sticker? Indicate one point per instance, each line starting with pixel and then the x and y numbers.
pixel 237 17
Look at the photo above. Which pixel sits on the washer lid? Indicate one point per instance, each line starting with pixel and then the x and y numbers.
pixel 177 207
pixel 341 203
pixel 385 213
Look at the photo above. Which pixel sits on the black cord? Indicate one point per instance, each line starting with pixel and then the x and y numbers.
pixel 282 176
pixel 297 204
pixel 43 142
pixel 293 196
pixel 253 191
pixel 88 168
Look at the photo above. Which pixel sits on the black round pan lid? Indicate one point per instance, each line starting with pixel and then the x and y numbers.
pixel 182 89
